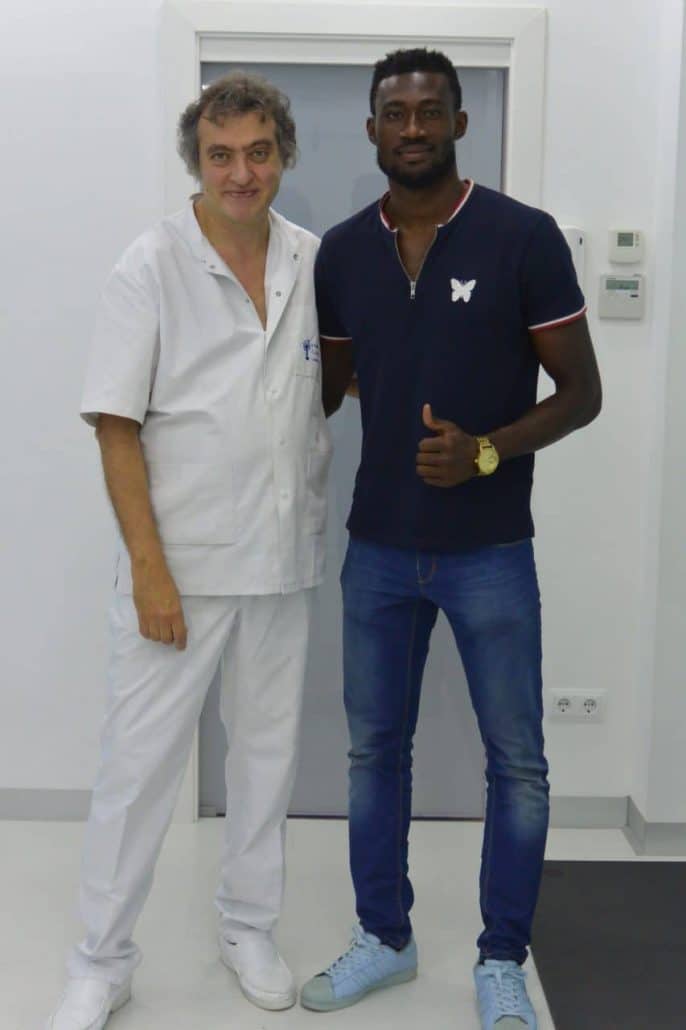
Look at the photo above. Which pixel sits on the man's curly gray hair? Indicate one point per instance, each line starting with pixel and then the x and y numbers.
pixel 238 92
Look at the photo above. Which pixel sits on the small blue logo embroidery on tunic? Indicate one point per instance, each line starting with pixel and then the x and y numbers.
pixel 311 349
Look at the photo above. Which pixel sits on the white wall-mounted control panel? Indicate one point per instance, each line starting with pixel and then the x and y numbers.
pixel 576 240
pixel 626 246
pixel 621 296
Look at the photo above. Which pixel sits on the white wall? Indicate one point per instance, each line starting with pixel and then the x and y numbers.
pixel 665 798
pixel 83 177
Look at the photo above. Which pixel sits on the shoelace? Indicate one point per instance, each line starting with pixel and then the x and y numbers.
pixel 509 990
pixel 348 959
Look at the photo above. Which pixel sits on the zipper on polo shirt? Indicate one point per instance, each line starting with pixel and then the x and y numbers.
pixel 413 282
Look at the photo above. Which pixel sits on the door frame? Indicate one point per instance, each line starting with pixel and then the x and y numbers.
pixel 194 31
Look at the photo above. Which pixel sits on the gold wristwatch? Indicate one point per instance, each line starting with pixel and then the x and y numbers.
pixel 487 460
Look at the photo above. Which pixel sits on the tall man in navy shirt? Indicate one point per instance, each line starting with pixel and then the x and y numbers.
pixel 444 299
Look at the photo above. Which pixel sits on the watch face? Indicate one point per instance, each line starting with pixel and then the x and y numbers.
pixel 488 461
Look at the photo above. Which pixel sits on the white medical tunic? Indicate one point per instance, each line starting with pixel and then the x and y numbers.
pixel 233 432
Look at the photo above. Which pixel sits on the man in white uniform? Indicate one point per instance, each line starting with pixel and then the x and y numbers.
pixel 204 387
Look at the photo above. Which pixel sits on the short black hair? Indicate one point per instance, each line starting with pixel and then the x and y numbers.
pixel 400 62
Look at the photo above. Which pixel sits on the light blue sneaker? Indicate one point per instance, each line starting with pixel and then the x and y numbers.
pixel 366 966
pixel 502 998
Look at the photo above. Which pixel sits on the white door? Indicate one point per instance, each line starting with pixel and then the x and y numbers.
pixel 336 174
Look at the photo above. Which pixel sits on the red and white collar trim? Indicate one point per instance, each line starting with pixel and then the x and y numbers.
pixel 458 207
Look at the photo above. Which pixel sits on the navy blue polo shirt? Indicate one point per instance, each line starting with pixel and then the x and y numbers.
pixel 458 339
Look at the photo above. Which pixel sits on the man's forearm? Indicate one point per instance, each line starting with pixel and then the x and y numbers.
pixel 337 373
pixel 127 485
pixel 331 399
pixel 566 353
pixel 551 420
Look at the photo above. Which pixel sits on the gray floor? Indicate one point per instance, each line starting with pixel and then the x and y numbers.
pixel 181 982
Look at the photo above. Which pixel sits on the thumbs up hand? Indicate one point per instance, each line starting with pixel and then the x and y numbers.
pixel 446 459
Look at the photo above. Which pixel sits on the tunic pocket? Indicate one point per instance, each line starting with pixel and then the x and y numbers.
pixel 192 502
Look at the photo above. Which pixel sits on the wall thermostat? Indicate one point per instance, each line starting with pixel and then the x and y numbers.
pixel 621 296
pixel 576 241
pixel 626 246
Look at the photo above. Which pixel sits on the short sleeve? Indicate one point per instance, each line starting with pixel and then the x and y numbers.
pixel 550 292
pixel 124 348
pixel 331 324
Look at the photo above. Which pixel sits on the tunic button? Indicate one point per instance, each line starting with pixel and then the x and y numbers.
pixel 278 293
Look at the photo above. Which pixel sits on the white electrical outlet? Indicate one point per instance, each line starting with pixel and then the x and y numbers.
pixel 576 705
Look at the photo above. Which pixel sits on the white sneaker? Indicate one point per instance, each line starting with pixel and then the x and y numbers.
pixel 87 1003
pixel 264 977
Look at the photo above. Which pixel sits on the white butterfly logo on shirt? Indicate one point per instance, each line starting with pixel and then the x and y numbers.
pixel 462 290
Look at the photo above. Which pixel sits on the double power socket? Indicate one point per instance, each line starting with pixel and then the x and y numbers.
pixel 576 705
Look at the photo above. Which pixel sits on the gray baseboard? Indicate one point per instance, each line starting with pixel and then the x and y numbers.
pixel 654 838
pixel 45 805
pixel 565 812
pixel 73 805
pixel 588 813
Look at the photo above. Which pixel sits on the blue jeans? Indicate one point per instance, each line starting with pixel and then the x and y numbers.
pixel 391 598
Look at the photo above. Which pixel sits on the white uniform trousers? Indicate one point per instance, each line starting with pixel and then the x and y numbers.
pixel 154 698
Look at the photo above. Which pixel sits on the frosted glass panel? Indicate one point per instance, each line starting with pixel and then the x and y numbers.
pixel 337 174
